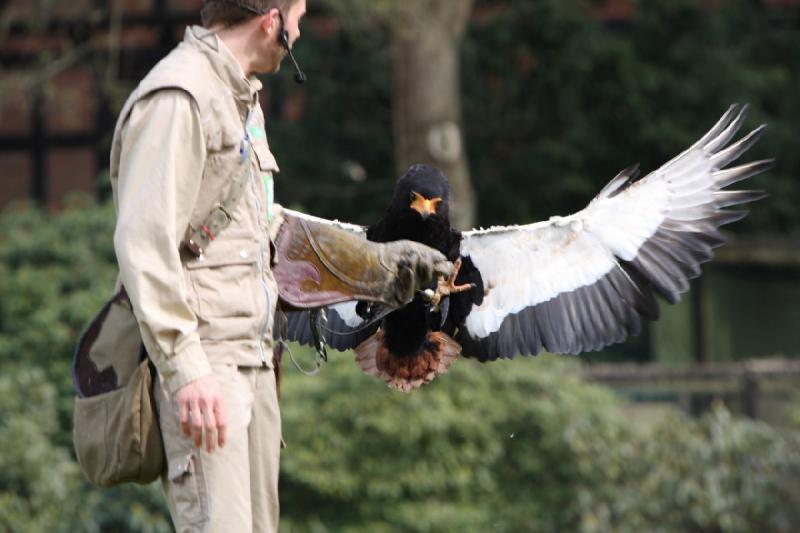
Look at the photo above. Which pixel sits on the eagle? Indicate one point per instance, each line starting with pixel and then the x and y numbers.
pixel 567 285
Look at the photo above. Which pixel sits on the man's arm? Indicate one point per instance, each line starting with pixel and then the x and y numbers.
pixel 161 167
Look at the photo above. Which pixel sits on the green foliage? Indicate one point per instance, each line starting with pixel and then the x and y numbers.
pixel 55 273
pixel 719 474
pixel 572 99
pixel 555 103
pixel 520 446
pixel 39 481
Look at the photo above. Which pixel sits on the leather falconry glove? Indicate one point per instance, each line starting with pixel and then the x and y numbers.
pixel 319 264
pixel 414 265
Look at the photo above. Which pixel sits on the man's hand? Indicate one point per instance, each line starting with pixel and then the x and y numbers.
pixel 201 408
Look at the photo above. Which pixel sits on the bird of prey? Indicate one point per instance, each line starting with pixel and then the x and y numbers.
pixel 567 285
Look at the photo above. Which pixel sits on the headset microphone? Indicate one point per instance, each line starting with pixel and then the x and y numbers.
pixel 299 75
pixel 283 38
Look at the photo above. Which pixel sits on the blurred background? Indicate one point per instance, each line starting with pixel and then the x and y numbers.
pixel 530 107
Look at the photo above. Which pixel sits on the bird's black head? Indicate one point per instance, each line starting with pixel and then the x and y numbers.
pixel 425 190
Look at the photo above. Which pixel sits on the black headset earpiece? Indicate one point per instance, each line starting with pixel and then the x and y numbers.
pixel 283 40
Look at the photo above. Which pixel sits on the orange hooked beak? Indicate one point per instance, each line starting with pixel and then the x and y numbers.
pixel 424 206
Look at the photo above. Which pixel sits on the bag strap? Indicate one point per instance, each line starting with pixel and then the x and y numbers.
pixel 222 213
pixel 86 377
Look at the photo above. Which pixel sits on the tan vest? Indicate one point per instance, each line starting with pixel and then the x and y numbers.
pixel 232 290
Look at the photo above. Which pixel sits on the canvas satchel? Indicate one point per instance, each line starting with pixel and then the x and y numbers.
pixel 116 433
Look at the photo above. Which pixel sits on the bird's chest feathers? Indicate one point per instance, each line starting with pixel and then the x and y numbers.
pixel 433 232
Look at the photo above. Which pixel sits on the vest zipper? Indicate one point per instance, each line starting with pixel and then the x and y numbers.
pixel 264 286
pixel 261 261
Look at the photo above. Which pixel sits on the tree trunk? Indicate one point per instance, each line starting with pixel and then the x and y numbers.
pixel 426 97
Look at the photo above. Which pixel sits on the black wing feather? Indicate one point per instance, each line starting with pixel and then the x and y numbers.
pixel 619 293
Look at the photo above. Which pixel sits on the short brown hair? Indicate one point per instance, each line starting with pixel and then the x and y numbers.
pixel 232 12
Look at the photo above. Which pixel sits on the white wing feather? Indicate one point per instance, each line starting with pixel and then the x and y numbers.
pixel 531 264
pixel 354 228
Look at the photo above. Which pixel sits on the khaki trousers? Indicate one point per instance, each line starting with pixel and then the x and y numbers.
pixel 235 488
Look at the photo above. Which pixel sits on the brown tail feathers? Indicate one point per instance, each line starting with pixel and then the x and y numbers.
pixel 408 373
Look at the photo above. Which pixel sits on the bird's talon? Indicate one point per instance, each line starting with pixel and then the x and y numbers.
pixel 456 269
pixel 460 288
pixel 446 287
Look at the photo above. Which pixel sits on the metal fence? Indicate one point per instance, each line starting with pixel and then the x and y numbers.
pixel 764 389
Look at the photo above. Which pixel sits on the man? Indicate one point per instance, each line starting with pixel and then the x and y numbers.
pixel 189 129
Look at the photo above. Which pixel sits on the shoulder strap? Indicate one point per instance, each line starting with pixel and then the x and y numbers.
pixel 181 69
pixel 221 215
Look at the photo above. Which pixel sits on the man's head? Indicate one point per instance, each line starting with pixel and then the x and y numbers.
pixel 259 23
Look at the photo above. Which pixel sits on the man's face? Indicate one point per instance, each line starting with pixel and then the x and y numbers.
pixel 292 20
pixel 273 52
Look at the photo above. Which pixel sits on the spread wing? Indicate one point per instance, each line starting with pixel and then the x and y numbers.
pixel 344 328
pixel 585 281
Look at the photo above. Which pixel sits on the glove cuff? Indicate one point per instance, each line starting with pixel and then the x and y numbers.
pixel 318 264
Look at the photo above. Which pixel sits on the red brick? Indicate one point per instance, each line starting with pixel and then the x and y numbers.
pixel 137 7
pixel 15 170
pixel 16 10
pixel 15 110
pixel 69 171
pixel 69 105
pixel 184 6
pixel 74 9
pixel 134 37
pixel 35 43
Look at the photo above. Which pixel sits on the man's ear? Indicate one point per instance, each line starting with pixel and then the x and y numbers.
pixel 271 22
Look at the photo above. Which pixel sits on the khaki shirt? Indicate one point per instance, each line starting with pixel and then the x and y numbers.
pixel 175 153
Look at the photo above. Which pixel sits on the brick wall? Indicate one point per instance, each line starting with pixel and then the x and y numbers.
pixel 56 112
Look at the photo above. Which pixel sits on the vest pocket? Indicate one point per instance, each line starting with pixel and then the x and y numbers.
pixel 225 280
